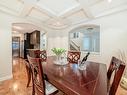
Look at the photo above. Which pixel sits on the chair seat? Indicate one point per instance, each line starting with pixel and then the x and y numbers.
pixel 49 88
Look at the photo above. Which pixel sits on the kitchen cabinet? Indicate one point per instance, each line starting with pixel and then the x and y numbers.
pixel 35 37
pixel 27 44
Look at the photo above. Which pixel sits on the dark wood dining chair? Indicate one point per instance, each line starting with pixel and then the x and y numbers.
pixel 28 70
pixel 73 56
pixel 37 54
pixel 117 67
pixel 40 85
pixel 41 54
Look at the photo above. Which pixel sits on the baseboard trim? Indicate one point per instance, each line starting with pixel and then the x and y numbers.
pixel 6 77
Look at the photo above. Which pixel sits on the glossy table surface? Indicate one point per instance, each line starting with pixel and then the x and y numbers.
pixel 72 81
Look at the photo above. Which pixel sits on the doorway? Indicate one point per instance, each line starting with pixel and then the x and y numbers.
pixel 15 47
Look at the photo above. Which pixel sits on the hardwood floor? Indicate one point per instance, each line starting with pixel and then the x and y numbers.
pixel 121 91
pixel 17 85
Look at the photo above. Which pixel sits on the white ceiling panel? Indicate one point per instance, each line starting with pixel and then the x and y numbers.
pixel 106 6
pixel 58 14
pixel 7 10
pixel 91 2
pixel 37 14
pixel 12 5
pixel 58 6
pixel 57 23
pixel 77 16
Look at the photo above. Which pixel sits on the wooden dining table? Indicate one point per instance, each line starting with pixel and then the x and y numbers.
pixel 73 81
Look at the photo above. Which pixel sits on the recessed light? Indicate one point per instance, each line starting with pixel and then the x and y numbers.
pixel 14 31
pixel 109 1
pixel 18 27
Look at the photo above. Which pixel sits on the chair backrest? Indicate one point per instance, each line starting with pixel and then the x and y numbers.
pixel 73 56
pixel 40 54
pixel 28 70
pixel 37 53
pixel 37 75
pixel 117 66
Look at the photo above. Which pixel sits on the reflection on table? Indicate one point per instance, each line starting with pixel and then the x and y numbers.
pixel 72 81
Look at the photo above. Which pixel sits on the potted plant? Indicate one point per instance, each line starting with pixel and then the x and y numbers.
pixel 58 52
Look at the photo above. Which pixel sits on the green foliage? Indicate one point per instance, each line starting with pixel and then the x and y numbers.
pixel 58 51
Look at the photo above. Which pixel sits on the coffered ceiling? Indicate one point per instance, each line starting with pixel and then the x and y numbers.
pixel 59 14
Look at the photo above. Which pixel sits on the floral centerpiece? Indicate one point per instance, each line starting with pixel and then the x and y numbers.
pixel 58 52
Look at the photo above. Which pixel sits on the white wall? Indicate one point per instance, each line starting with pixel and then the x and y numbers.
pixel 5 47
pixel 56 38
pixel 6 44
pixel 113 37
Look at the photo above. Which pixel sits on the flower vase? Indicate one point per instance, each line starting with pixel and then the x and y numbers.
pixel 58 52
pixel 58 59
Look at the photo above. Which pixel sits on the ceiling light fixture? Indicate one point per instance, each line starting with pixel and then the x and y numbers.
pixel 14 31
pixel 57 23
pixel 18 27
pixel 109 1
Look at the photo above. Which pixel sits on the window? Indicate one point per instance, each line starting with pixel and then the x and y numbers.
pixel 91 42
pixel 75 34
pixel 88 39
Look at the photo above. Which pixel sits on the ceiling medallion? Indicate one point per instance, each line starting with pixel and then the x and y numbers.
pixel 57 23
